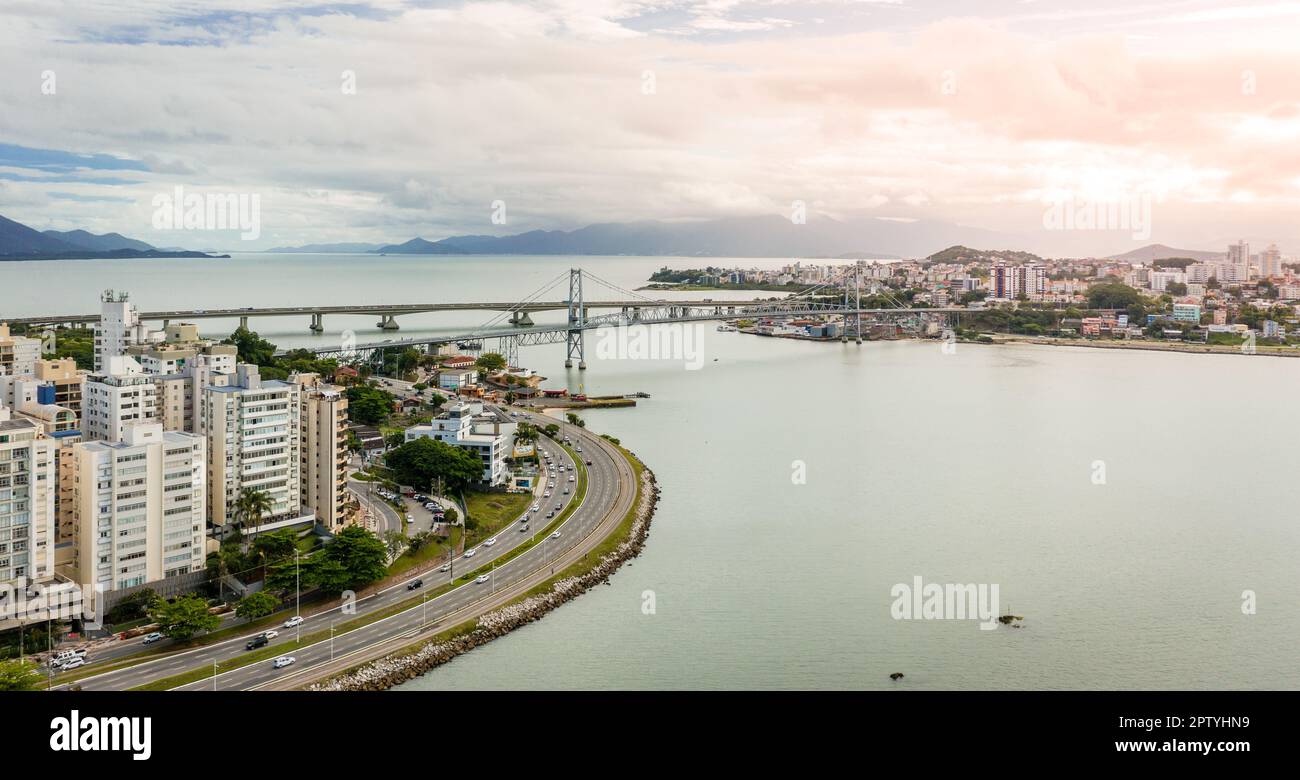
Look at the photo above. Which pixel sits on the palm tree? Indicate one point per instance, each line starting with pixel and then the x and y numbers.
pixel 251 507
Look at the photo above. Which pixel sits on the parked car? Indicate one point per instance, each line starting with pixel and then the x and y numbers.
pixel 151 638
pixel 294 621
pixel 283 661
pixel 413 584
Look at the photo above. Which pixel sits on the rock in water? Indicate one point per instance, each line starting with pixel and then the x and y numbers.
pixel 896 676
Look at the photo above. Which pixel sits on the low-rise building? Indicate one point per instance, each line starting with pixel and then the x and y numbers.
pixel 488 435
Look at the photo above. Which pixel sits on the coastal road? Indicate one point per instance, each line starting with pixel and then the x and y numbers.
pixel 610 492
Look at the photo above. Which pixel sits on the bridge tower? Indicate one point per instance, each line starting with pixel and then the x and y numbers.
pixel 856 315
pixel 574 342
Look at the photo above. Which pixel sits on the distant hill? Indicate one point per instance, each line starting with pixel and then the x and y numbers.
pixel 762 236
pixel 345 249
pixel 19 242
pixel 964 254
pixel 17 239
pixel 1161 252
pixel 107 242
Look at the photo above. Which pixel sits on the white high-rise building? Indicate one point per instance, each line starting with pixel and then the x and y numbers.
pixel 139 506
pixel 28 495
pixel 254 443
pixel 123 393
pixel 119 327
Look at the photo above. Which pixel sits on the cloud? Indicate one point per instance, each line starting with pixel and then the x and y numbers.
pixel 578 112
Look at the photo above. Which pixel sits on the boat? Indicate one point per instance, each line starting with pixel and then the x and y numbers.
pixel 727 328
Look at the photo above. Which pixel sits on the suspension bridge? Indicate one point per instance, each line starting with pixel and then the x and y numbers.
pixel 510 331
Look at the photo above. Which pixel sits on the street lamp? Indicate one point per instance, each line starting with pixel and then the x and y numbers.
pixel 297 586
pixel 331 640
pixel 214 675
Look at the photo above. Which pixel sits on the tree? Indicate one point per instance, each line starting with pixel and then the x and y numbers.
pixel 551 430
pixel 575 420
pixel 133 607
pixel 183 618
pixel 394 440
pixel 526 432
pixel 19 675
pixel 419 462
pixel 361 555
pixel 369 405
pixel 251 347
pixel 256 605
pixel 251 507
pixel 276 546
pixel 1109 295
pixel 491 362
pixel 395 542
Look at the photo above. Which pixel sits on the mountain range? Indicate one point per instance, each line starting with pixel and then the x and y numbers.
pixel 19 242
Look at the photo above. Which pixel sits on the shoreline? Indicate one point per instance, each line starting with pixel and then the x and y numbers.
pixel 402 666
pixel 1196 349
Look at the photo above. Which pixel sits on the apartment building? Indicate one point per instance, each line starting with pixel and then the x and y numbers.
pixel 325 455
pixel 18 354
pixel 69 383
pixel 122 394
pixel 27 502
pixel 488 435
pixel 180 345
pixel 140 506
pixel 1010 282
pixel 180 395
pixel 253 432
pixel 118 328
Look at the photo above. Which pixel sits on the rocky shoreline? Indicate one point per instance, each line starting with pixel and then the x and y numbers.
pixel 392 670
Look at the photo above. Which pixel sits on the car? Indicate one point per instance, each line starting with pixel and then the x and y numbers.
pixel 523 528
pixel 272 634
pixel 294 621
pixel 579 449
pixel 490 542
pixel 550 514
pixel 551 485
pixel 555 535
pixel 561 468
pixel 73 663
pixel 283 661
pixel 445 567
pixel 572 478
pixel 151 638
pixel 558 506
pixel 547 494
pixel 431 506
pixel 536 507
pixel 482 578
pixel 588 462
pixel 413 584
pixel 409 518
pixel 566 491
pixel 470 553
pixel 258 641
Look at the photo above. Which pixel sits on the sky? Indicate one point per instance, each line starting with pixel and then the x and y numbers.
pixel 380 121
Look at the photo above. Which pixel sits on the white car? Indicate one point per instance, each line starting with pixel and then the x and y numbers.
pixel 572 478
pixel 555 535
pixel 409 518
pixel 294 621
pixel 283 661
pixel 490 542
pixel 536 507
pixel 470 553
pixel 272 634
pixel 547 494
pixel 72 663
pixel 482 578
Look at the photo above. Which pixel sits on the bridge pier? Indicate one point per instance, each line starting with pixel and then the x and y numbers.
pixel 521 319
pixel 389 322
pixel 317 323
pixel 243 323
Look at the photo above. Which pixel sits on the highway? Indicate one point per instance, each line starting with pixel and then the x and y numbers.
pixel 611 490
